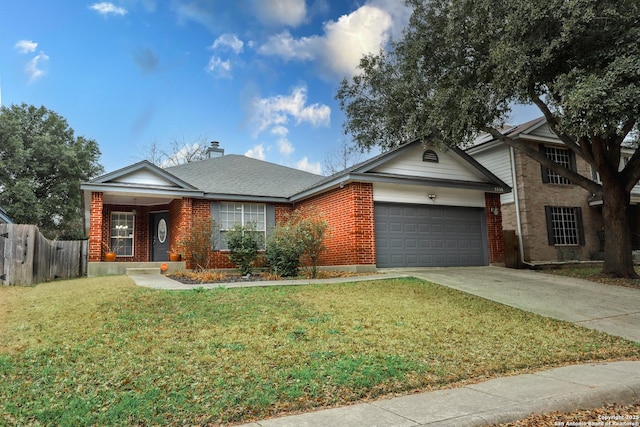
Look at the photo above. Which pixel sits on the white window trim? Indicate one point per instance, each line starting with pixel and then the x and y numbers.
pixel 553 153
pixel 131 235
pixel 242 221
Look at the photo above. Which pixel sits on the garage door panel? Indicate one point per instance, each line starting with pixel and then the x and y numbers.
pixel 425 235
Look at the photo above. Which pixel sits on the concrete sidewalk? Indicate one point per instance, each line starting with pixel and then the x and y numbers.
pixel 499 400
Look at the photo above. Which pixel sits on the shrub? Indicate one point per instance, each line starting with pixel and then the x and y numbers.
pixel 284 250
pixel 198 242
pixel 301 235
pixel 312 229
pixel 244 242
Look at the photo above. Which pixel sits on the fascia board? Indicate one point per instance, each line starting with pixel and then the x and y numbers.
pixel 246 198
pixel 448 183
pixel 160 191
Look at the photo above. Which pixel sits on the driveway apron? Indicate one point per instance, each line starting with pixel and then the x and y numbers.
pixel 611 309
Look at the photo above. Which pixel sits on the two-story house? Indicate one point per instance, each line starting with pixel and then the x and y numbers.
pixel 554 220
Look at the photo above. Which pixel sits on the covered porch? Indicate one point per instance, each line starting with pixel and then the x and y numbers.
pixel 137 213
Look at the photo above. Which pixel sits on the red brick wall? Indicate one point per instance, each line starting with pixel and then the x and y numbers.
pixel 141 249
pixel 494 228
pixel 349 214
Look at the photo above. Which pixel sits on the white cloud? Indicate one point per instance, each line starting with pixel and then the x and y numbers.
pixel 106 8
pixel 345 41
pixel 199 11
pixel 304 165
pixel 285 147
pixel 230 41
pixel 281 12
pixel 287 47
pixel 219 67
pixel 33 67
pixel 256 152
pixel 26 46
pixel 277 110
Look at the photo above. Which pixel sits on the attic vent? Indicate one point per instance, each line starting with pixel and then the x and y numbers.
pixel 430 156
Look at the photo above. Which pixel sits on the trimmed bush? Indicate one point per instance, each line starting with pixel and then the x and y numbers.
pixel 244 242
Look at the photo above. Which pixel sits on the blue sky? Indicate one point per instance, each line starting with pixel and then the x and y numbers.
pixel 260 76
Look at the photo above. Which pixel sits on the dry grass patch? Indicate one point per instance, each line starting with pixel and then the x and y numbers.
pixel 594 274
pixel 141 356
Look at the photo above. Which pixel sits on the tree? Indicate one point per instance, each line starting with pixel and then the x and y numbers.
pixel 177 153
pixel 462 64
pixel 341 158
pixel 42 164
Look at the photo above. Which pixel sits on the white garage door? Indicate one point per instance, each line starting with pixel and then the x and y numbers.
pixel 429 236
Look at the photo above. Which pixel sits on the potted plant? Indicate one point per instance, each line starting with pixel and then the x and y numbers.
pixel 174 254
pixel 109 253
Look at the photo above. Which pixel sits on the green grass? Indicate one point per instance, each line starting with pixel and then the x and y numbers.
pixel 104 352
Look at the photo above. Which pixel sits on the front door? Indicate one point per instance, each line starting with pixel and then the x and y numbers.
pixel 160 236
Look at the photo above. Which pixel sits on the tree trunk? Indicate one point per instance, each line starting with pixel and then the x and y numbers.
pixel 618 257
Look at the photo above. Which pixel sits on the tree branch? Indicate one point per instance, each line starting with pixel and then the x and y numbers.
pixel 552 121
pixel 539 157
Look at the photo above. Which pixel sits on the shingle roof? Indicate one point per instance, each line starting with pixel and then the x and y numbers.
pixel 241 175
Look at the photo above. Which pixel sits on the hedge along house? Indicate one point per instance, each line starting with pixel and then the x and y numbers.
pixel 409 207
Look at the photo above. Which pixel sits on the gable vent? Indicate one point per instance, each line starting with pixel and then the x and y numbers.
pixel 430 156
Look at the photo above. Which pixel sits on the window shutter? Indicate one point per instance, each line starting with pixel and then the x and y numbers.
pixel 579 225
pixel 271 221
pixel 544 170
pixel 215 236
pixel 550 237
pixel 572 159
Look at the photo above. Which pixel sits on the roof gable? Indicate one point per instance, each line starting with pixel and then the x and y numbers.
pixel 404 165
pixel 409 162
pixel 144 174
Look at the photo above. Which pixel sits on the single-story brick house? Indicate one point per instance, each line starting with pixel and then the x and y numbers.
pixel 411 206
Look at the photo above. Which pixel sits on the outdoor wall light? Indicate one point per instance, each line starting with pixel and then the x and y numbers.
pixel 495 210
pixel 432 197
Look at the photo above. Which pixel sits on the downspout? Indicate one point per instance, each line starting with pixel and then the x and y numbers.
pixel 516 199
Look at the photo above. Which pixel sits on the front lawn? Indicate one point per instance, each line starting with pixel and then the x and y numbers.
pixel 102 351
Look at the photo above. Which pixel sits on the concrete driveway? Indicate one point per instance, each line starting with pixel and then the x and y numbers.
pixel 611 309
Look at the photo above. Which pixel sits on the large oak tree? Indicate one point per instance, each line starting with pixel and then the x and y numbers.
pixel 42 164
pixel 462 64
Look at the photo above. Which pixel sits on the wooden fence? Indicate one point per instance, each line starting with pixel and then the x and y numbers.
pixel 28 258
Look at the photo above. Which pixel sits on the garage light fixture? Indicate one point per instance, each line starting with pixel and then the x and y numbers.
pixel 432 197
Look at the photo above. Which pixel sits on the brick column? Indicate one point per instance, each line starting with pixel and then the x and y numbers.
pixel 495 239
pixel 95 228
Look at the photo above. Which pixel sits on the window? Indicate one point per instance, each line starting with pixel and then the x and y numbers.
pixel 564 226
pixel 430 156
pixel 561 156
pixel 122 224
pixel 232 213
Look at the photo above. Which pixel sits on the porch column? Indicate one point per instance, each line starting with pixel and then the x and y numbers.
pixel 95 228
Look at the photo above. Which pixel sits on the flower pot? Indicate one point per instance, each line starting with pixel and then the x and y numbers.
pixel 174 257
pixel 109 256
